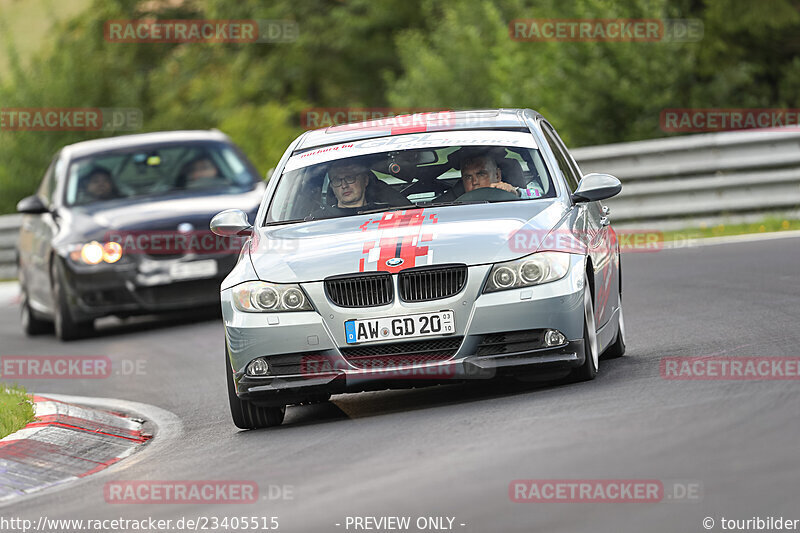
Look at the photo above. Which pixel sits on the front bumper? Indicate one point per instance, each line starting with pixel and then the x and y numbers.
pixel 298 388
pixel 308 354
pixel 141 285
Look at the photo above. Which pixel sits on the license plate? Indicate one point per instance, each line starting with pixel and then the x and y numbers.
pixel 399 327
pixel 194 269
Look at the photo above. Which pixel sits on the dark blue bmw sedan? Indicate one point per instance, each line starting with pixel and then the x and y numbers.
pixel 119 226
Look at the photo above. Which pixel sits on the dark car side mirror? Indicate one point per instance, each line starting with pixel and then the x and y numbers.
pixel 231 222
pixel 594 187
pixel 32 205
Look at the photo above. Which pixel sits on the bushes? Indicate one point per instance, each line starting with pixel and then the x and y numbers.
pixel 404 53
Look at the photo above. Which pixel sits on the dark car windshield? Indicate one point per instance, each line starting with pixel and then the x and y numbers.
pixel 408 178
pixel 158 170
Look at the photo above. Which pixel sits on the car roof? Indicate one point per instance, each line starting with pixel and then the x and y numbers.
pixel 141 139
pixel 416 123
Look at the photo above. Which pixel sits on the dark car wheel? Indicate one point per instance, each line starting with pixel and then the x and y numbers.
pixel 588 370
pixel 66 327
pixel 247 415
pixel 32 325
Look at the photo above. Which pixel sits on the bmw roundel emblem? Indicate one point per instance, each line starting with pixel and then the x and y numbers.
pixel 394 261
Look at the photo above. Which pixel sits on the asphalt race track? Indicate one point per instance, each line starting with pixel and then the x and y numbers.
pixel 453 450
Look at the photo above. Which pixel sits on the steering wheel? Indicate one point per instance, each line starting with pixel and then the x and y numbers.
pixel 487 193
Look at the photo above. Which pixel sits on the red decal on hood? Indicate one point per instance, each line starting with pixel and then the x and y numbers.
pixel 399 236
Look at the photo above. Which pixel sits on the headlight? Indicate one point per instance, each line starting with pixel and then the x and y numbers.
pixel 535 269
pixel 112 252
pixel 94 253
pixel 260 297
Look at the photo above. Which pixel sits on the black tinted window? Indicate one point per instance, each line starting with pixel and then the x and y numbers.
pixel 158 170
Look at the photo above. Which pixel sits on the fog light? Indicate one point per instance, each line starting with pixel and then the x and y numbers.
pixel 258 367
pixel 553 337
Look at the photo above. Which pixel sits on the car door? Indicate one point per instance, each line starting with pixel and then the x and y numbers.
pixel 601 239
pixel 36 238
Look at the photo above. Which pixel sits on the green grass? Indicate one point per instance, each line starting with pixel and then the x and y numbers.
pixel 767 225
pixel 27 23
pixel 16 410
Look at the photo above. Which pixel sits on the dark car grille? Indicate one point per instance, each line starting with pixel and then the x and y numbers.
pixel 396 354
pixel 108 297
pixel 511 341
pixel 431 283
pixel 360 290
pixel 195 292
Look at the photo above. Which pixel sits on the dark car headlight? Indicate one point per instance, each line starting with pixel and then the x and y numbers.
pixel 263 297
pixel 94 253
pixel 535 269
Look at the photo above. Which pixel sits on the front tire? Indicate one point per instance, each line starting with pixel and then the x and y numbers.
pixel 247 415
pixel 66 327
pixel 588 370
pixel 32 325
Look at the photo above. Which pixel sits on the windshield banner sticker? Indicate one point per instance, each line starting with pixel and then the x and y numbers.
pixel 408 142
pixel 397 242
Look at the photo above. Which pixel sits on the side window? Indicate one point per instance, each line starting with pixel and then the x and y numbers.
pixel 570 175
pixel 570 160
pixel 48 185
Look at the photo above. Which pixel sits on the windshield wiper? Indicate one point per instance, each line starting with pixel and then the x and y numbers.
pixel 293 221
pixel 419 205
pixel 443 204
pixel 387 208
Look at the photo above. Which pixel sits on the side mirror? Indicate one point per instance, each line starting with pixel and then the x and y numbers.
pixel 231 222
pixel 595 187
pixel 32 205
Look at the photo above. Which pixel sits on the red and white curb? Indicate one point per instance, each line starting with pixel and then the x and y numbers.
pixel 65 442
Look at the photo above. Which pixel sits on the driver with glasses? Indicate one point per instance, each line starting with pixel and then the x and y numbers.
pixel 349 181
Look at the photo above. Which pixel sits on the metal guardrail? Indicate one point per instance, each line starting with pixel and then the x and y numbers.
pixel 672 183
pixel 9 233
pixel 714 178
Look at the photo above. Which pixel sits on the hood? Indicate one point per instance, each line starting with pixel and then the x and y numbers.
pixel 90 222
pixel 472 234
